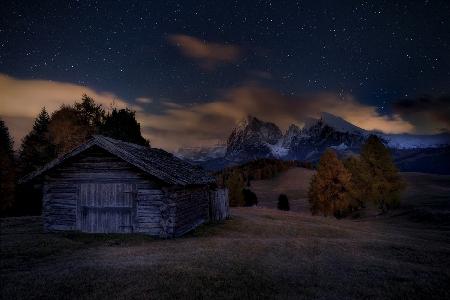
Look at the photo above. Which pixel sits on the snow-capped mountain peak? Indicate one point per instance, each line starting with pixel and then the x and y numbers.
pixel 335 122
pixel 252 133
pixel 253 138
pixel 292 132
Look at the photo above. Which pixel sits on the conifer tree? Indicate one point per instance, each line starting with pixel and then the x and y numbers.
pixel 122 124
pixel 90 114
pixel 36 149
pixel 329 188
pixel 385 183
pixel 7 169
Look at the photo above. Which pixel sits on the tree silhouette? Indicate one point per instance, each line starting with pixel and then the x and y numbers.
pixel 122 124
pixel 7 169
pixel 283 202
pixel 329 189
pixel 360 180
pixel 235 183
pixel 90 114
pixel 385 183
pixel 36 149
pixel 67 130
pixel 250 198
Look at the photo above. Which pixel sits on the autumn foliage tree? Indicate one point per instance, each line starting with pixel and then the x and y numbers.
pixel 330 186
pixel 235 183
pixel 382 182
pixel 72 125
pixel 66 129
pixel 360 180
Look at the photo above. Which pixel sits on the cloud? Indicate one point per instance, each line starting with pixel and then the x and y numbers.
pixel 144 100
pixel 196 124
pixel 21 100
pixel 208 54
pixel 204 124
pixel 429 114
pixel 261 74
pixel 171 104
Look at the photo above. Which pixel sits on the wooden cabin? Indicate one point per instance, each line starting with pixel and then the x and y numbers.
pixel 110 186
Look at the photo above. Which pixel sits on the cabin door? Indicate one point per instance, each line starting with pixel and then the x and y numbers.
pixel 106 207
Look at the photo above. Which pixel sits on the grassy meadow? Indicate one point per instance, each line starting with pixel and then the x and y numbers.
pixel 260 253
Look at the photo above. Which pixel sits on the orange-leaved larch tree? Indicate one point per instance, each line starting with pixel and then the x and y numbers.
pixel 329 188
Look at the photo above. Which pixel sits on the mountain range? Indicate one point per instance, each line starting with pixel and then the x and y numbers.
pixel 253 138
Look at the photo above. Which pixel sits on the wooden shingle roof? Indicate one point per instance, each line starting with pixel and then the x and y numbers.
pixel 153 161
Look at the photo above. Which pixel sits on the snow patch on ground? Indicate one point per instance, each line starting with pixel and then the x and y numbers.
pixel 277 149
pixel 340 147
pixel 311 154
pixel 408 141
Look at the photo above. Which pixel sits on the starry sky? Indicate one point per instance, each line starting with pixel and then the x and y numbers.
pixel 178 59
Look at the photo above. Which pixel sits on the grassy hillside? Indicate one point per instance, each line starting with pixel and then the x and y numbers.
pixel 237 178
pixel 293 182
pixel 427 196
pixel 259 253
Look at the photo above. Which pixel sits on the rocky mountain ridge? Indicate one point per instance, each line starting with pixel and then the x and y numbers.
pixel 253 138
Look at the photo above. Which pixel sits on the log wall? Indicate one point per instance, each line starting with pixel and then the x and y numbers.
pixel 219 208
pixel 191 208
pixel 98 192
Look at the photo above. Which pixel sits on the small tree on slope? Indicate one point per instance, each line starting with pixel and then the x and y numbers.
pixel 329 189
pixel 385 182
pixel 283 202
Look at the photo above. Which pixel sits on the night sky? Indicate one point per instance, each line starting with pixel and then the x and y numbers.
pixel 376 51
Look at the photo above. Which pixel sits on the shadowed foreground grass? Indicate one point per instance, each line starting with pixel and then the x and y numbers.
pixel 260 253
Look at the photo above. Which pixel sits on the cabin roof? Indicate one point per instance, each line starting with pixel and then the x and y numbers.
pixel 153 161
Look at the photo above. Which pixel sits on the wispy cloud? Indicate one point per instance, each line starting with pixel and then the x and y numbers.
pixel 21 100
pixel 430 114
pixel 144 100
pixel 208 54
pixel 197 124
pixel 208 122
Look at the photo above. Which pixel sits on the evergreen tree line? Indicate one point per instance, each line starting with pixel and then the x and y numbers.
pixel 52 136
pixel 342 187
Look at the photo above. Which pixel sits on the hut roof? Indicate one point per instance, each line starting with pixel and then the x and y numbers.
pixel 153 161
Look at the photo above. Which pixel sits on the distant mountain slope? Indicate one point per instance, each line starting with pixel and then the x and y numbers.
pixel 429 160
pixel 201 153
pixel 253 139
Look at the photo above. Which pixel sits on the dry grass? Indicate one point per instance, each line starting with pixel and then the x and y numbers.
pixel 260 253
pixel 293 182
